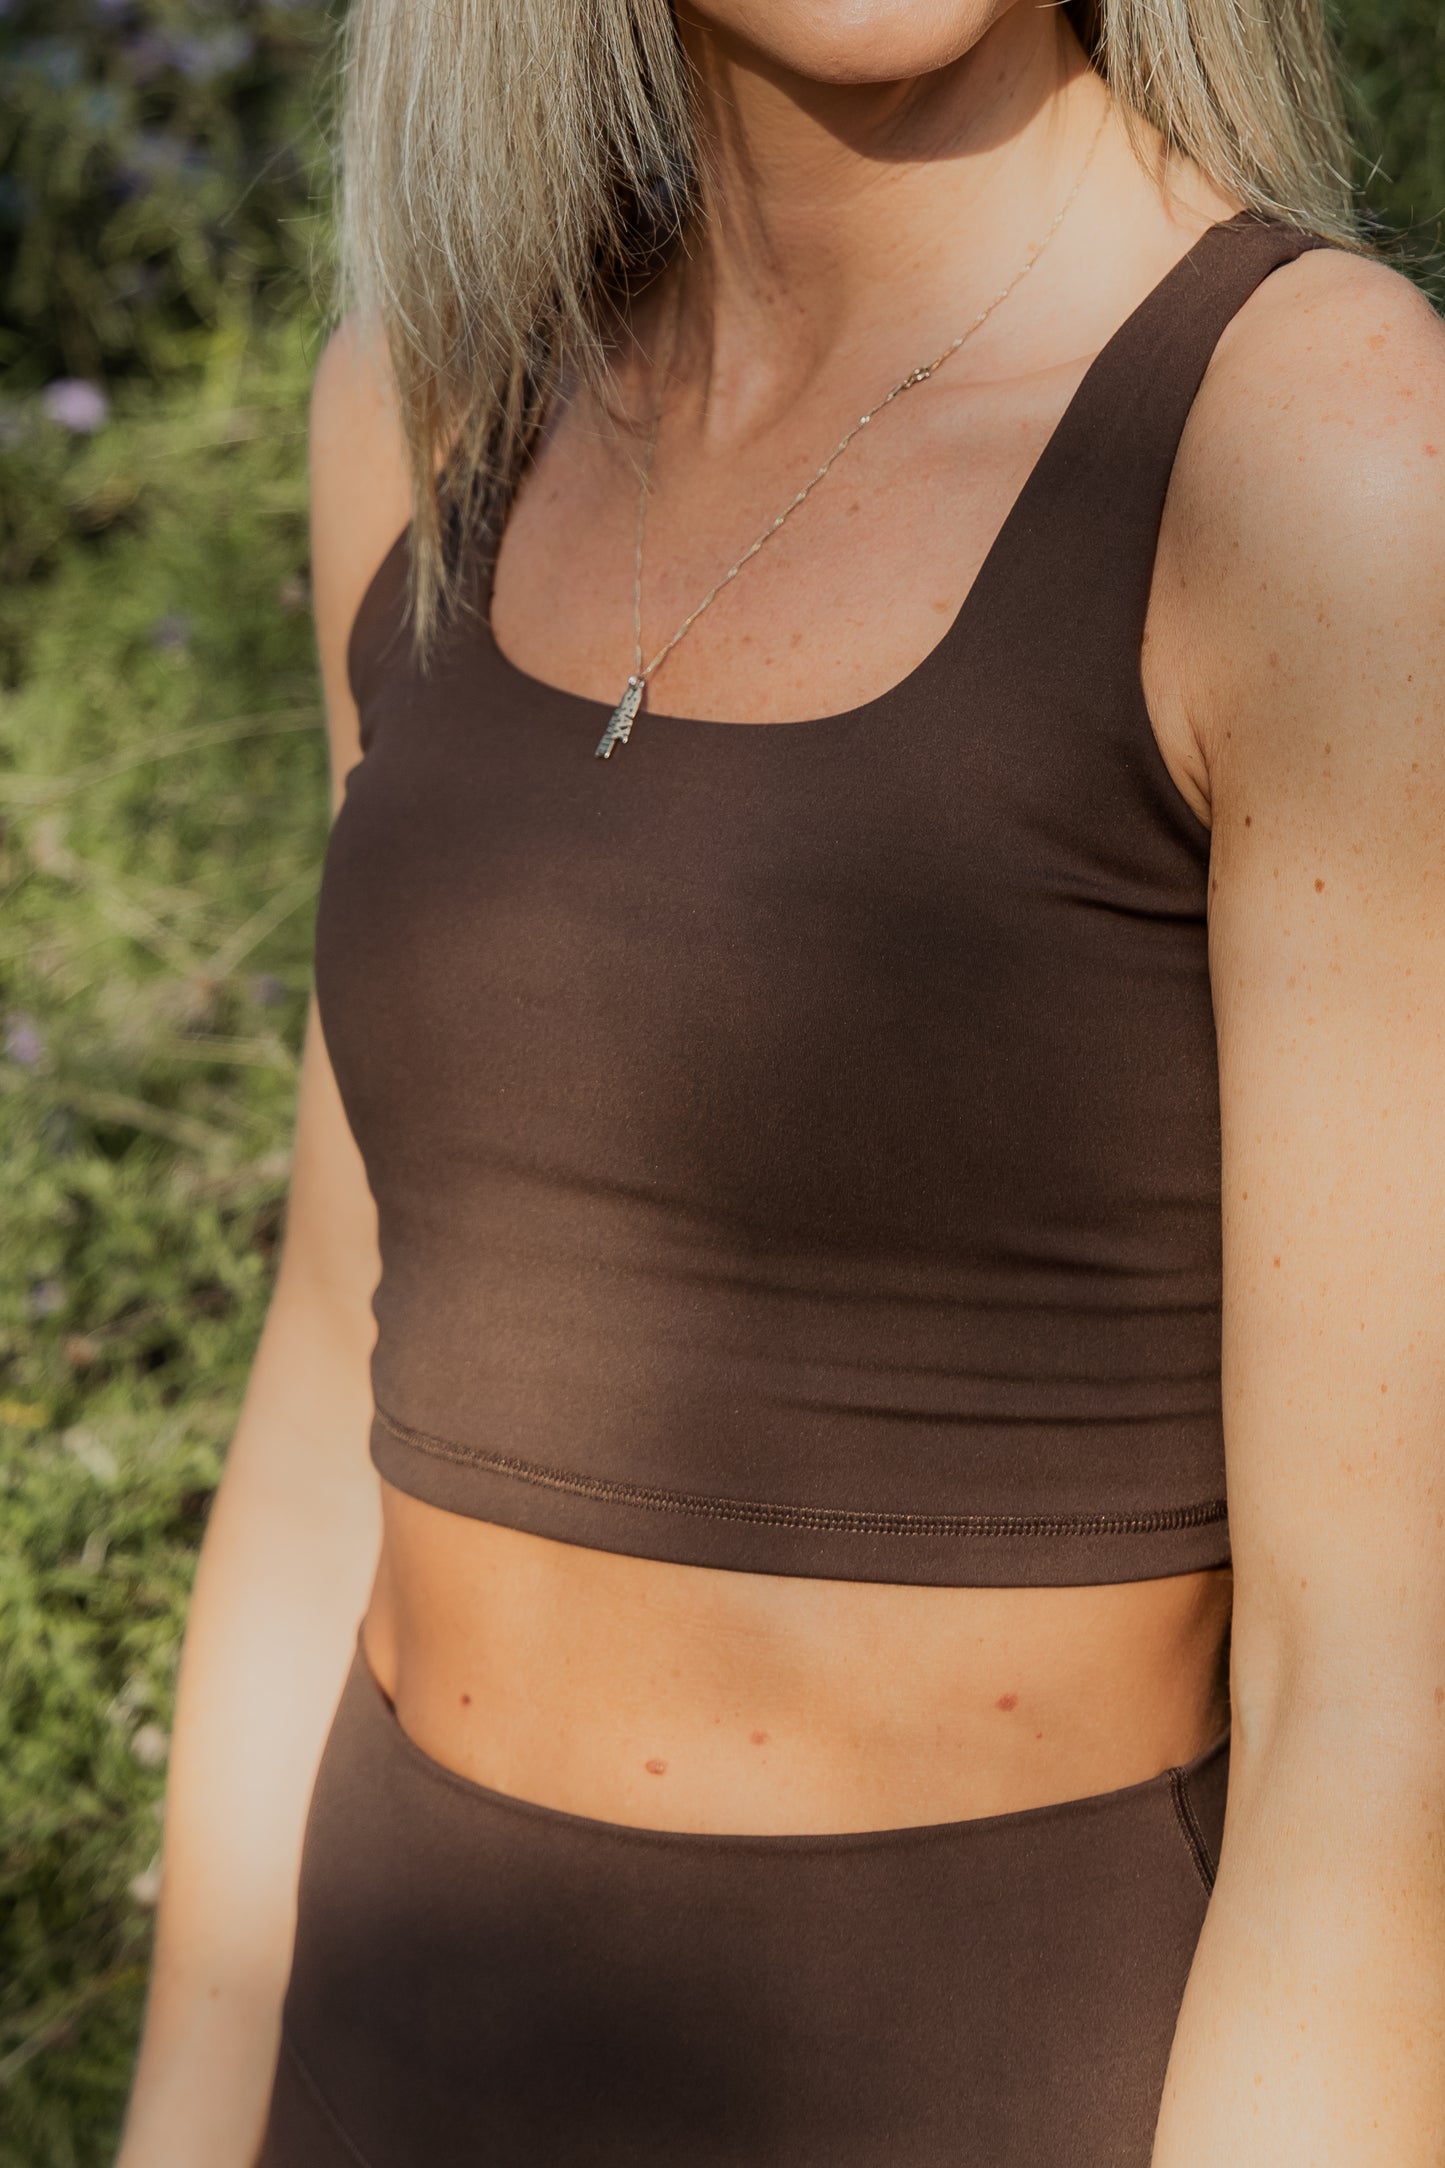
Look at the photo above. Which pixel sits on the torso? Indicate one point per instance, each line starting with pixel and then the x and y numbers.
pixel 678 1696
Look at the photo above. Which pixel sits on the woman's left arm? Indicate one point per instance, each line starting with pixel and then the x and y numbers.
pixel 1309 516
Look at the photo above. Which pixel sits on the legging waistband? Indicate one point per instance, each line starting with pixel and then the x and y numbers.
pixel 479 1978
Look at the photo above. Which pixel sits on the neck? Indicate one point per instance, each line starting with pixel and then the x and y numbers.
pixel 832 213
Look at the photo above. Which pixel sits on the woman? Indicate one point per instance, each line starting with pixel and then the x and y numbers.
pixel 839 1208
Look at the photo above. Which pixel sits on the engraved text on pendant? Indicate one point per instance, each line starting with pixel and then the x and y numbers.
pixel 623 717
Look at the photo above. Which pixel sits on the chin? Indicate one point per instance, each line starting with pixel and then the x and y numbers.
pixel 851 41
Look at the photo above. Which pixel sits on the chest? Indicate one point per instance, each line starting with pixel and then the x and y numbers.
pixel 861 583
pixel 916 975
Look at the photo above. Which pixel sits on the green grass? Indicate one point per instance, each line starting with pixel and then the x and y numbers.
pixel 162 787
pixel 162 799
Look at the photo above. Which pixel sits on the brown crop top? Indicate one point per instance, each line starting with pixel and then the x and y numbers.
pixel 796 1146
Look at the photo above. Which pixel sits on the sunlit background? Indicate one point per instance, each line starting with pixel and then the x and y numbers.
pixel 162 814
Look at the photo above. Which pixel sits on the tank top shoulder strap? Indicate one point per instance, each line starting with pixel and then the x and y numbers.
pixel 1080 547
pixel 380 638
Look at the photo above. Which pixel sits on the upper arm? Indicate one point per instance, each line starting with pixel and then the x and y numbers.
pixel 360 501
pixel 1318 566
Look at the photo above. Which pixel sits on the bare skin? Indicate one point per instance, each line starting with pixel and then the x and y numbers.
pixel 675 1697
pixel 1293 661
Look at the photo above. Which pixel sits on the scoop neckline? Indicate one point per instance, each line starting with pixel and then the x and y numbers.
pixel 539 688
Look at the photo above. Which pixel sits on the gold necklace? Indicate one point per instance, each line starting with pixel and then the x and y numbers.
pixel 625 713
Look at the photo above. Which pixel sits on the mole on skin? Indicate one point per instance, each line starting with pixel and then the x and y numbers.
pixel 1007 1702
pixel 758 1738
pixel 656 1768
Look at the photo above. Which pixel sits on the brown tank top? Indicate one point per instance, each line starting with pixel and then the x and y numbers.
pixel 796 1146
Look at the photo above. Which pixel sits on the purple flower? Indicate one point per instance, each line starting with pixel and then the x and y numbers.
pixel 45 1298
pixel 151 155
pixel 76 405
pixel 202 59
pixel 23 1042
pixel 147 55
pixel 57 60
pixel 172 631
pixel 100 109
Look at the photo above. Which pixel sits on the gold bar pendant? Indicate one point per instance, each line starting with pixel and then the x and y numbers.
pixel 624 715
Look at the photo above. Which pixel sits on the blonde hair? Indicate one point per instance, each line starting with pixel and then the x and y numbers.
pixel 510 167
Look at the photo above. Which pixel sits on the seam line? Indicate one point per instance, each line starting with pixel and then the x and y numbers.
pixel 1193 1835
pixel 816 1520
pixel 320 2101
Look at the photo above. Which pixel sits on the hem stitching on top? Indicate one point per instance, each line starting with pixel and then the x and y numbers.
pixel 816 1520
pixel 1194 1837
pixel 320 2101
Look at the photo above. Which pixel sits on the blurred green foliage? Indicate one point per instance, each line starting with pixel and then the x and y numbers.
pixel 162 815
pixel 157 169
pixel 162 793
pixel 1395 66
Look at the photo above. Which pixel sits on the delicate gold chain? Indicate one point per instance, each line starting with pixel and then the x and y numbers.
pixel 625 714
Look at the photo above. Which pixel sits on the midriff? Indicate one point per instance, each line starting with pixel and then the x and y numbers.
pixel 681 1697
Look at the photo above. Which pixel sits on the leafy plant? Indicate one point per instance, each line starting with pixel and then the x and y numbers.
pixel 162 791
pixel 159 168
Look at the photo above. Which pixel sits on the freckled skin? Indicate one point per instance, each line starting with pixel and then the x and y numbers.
pixel 758 1738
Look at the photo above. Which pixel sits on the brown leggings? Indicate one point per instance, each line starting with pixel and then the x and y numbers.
pixel 482 1983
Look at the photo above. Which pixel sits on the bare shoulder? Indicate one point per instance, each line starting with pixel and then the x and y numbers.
pixel 1307 513
pixel 1309 567
pixel 360 501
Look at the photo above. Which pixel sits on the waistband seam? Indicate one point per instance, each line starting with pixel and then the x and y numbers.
pixel 814 1520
